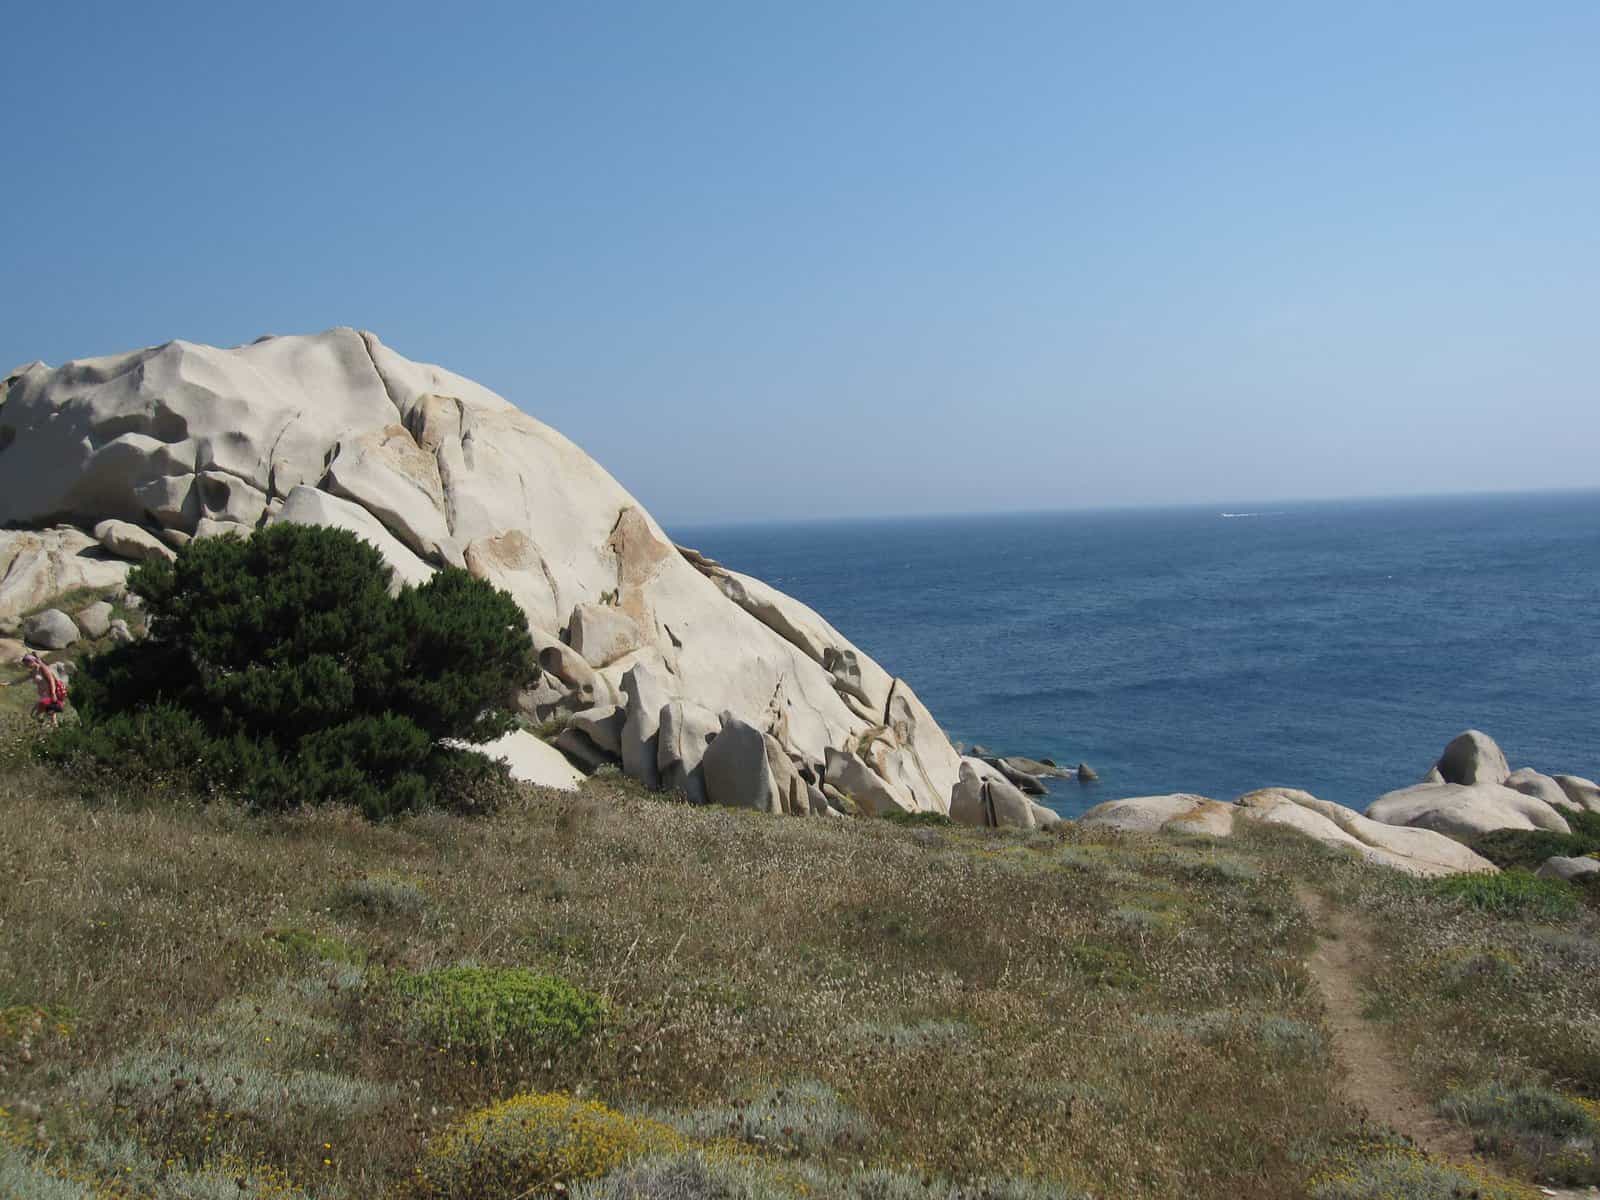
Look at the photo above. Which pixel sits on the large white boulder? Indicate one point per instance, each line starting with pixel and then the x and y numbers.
pixel 1472 757
pixel 336 428
pixel 1531 783
pixel 1465 810
pixel 127 540
pixel 51 629
pixel 532 761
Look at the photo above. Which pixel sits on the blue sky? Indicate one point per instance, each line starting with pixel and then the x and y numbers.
pixel 785 260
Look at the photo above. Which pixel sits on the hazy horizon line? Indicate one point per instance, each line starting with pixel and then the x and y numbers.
pixel 1234 507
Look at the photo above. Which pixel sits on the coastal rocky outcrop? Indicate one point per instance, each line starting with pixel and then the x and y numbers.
pixel 1416 851
pixel 105 462
pixel 1472 790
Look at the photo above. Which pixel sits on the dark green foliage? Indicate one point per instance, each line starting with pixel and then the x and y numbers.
pixel 489 1008
pixel 1512 893
pixel 918 819
pixel 1530 847
pixel 279 666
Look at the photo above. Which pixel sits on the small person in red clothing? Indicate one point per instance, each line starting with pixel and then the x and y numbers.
pixel 51 687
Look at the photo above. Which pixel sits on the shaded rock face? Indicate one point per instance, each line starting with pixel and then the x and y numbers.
pixel 183 440
pixel 1569 869
pixel 1472 790
pixel 1472 757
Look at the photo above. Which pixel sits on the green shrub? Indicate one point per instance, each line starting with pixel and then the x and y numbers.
pixel 381 896
pixel 1530 847
pixel 918 820
pixel 1391 1173
pixel 302 945
pixel 280 667
pixel 1520 1111
pixel 524 1146
pixel 490 1008
pixel 802 1117
pixel 1512 893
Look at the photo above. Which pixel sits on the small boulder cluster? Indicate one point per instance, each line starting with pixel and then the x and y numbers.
pixel 1471 790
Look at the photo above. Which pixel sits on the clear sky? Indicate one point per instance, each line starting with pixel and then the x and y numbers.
pixel 810 259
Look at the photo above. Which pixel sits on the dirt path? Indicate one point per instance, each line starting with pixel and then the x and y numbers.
pixel 1373 1079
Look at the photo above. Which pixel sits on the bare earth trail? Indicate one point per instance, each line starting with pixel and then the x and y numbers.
pixel 1373 1080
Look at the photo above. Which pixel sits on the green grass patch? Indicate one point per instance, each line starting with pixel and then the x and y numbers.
pixel 1513 893
pixel 302 945
pixel 493 1008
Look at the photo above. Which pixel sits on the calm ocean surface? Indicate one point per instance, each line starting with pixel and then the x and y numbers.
pixel 1330 646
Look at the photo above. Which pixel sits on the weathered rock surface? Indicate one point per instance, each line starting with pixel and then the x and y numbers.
pixel 36 566
pixel 602 725
pixel 641 725
pixel 1465 810
pixel 184 440
pixel 736 771
pixel 1417 851
pixel 1585 793
pixel 11 651
pixel 1420 851
pixel 687 729
pixel 120 632
pixel 533 761
pixel 1180 811
pixel 1530 783
pixel 1569 869
pixel 1086 773
pixel 863 788
pixel 1472 757
pixel 94 620
pixel 127 540
pixel 51 629
pixel 602 634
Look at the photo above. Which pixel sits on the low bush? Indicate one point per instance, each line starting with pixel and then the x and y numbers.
pixel 1525 1110
pixel 798 1118
pixel 1512 893
pixel 1401 1173
pixel 523 1146
pixel 1528 848
pixel 494 1008
pixel 1558 1136
pixel 380 896
pixel 302 945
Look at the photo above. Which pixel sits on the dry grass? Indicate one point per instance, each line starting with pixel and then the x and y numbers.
pixel 835 998
pixel 1485 990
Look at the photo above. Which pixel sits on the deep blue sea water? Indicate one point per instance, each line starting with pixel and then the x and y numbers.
pixel 1331 646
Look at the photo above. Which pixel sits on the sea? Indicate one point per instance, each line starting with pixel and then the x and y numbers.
pixel 1330 646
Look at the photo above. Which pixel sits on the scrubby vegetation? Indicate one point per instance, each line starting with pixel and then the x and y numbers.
pixel 279 667
pixel 646 1000
pixel 1530 847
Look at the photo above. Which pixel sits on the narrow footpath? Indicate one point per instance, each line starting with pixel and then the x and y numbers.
pixel 1372 1078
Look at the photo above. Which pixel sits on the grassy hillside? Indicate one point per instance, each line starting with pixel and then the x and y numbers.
pixel 199 1002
